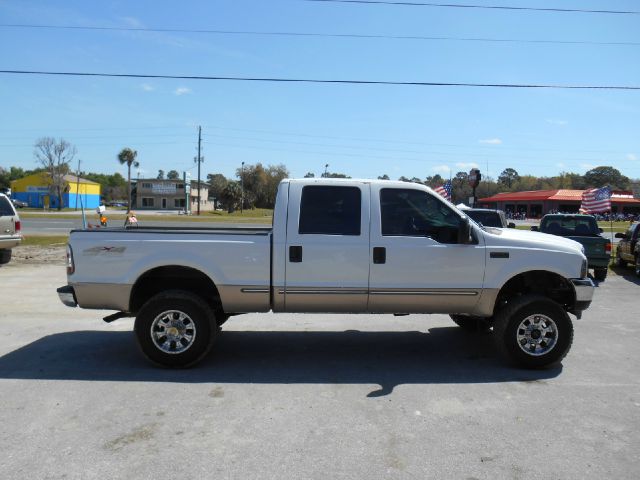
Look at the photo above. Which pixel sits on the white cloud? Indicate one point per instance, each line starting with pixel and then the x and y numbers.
pixel 147 88
pixel 133 22
pixel 441 169
pixel 467 165
pixel 182 91
pixel 491 141
pixel 556 121
pixel 560 165
pixel 632 156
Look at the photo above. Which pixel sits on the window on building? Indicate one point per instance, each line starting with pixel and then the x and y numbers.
pixel 330 210
pixel 148 202
pixel 414 213
pixel 146 185
pixel 178 202
pixel 180 186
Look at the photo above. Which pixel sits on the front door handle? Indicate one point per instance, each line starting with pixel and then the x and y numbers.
pixel 295 254
pixel 379 255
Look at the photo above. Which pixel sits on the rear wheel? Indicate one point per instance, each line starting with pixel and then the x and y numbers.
pixel 175 329
pixel 5 256
pixel 533 332
pixel 600 273
pixel 472 323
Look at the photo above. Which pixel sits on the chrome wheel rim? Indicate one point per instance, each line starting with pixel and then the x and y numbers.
pixel 173 332
pixel 537 335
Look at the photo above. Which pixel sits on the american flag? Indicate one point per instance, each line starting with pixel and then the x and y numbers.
pixel 596 200
pixel 444 190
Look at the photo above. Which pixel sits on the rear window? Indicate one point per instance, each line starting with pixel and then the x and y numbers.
pixel 5 207
pixel 570 226
pixel 330 210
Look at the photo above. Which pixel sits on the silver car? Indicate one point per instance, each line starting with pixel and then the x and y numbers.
pixel 9 229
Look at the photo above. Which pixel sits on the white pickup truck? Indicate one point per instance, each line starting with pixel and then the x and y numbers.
pixel 356 246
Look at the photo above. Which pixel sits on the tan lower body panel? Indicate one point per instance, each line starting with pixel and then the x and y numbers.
pixel 106 296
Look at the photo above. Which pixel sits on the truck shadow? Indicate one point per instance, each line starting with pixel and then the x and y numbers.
pixel 388 359
pixel 628 273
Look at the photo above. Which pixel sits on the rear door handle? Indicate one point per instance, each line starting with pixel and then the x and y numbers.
pixel 295 254
pixel 379 255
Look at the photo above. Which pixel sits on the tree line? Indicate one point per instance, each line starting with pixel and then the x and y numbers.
pixel 255 186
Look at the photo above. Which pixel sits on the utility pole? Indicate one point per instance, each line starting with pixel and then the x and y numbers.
pixel 325 170
pixel 77 183
pixel 199 162
pixel 242 188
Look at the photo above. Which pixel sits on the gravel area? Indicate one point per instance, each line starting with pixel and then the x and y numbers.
pixel 38 255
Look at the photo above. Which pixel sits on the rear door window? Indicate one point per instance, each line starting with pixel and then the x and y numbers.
pixel 330 210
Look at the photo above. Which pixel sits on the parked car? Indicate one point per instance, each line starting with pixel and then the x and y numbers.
pixel 19 203
pixel 583 229
pixel 336 246
pixel 489 218
pixel 628 251
pixel 9 228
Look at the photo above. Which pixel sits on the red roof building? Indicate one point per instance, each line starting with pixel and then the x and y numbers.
pixel 536 203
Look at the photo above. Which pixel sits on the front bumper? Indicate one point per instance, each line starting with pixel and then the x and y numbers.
pixel 584 293
pixel 67 296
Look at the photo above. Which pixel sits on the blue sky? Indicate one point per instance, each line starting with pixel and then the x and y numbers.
pixel 361 130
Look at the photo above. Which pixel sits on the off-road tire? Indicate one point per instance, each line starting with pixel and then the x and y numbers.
pixel 473 324
pixel 637 265
pixel 507 325
pixel 5 256
pixel 199 316
pixel 620 262
pixel 600 274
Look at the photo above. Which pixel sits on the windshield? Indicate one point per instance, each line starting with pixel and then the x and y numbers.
pixel 570 226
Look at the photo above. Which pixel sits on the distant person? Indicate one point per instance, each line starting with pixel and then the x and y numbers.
pixel 131 220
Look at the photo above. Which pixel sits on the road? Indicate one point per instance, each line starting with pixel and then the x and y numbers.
pixel 312 397
pixel 62 226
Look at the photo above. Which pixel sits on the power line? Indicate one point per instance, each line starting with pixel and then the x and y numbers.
pixel 484 7
pixel 320 34
pixel 311 80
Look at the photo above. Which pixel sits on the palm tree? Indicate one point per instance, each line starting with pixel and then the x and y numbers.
pixel 128 156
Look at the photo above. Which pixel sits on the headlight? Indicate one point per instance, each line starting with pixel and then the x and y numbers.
pixel 583 270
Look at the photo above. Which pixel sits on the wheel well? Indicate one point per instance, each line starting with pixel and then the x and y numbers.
pixel 549 284
pixel 174 277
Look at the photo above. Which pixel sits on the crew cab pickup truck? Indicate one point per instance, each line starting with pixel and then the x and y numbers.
pixel 356 246
pixel 628 250
pixel 583 229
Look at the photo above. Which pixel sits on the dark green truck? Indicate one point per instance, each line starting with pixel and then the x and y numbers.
pixel 583 229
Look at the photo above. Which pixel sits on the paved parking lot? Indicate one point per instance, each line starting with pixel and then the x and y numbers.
pixel 312 396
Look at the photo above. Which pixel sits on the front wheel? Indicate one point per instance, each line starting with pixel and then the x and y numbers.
pixel 600 274
pixel 620 262
pixel 637 265
pixel 533 332
pixel 175 329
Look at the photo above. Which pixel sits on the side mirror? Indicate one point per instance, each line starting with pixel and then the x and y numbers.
pixel 600 230
pixel 535 229
pixel 464 231
pixel 511 225
pixel 620 235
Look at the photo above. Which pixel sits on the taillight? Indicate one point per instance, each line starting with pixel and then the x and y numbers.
pixel 17 225
pixel 70 264
pixel 607 247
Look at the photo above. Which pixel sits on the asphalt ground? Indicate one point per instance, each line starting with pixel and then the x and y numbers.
pixel 312 396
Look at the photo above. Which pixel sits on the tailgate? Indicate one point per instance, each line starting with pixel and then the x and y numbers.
pixel 593 246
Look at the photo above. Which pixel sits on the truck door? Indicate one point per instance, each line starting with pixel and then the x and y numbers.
pixel 327 248
pixel 416 263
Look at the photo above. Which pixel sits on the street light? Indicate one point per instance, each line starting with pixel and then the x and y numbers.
pixel 242 188
pixel 325 170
